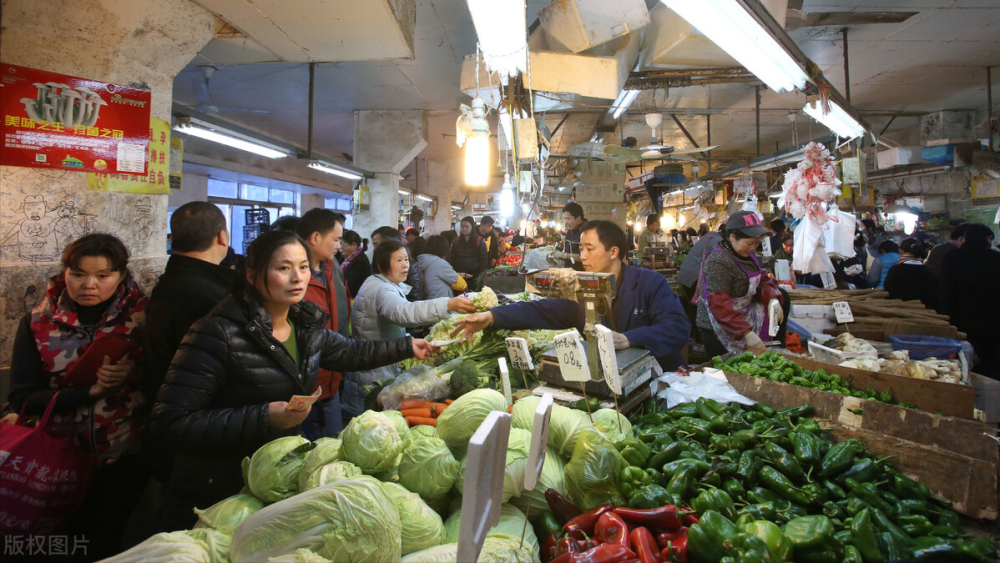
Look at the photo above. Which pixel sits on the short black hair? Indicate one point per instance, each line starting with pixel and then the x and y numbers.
pixel 262 249
pixel 195 225
pixel 573 208
pixel 959 231
pixel 610 235
pixel 691 232
pixel 351 237
pixel 778 226
pixel 450 236
pixel 869 224
pixel 382 259
pixel 913 247
pixel 103 245
pixel 978 235
pixel 740 235
pixel 652 218
pixel 413 231
pixel 286 223
pixel 888 247
pixel 386 233
pixel 318 220
pixel 487 220
pixel 417 247
pixel 437 245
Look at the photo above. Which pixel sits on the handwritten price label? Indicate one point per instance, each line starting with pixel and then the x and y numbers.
pixel 828 281
pixel 765 244
pixel 843 311
pixel 572 357
pixel 520 356
pixel 609 360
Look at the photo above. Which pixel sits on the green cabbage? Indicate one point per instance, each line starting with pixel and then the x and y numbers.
pixel 497 548
pixel 517 456
pixel 592 473
pixel 300 556
pixel 350 520
pixel 203 545
pixel 402 428
pixel 227 514
pixel 607 426
pixel 511 523
pixel 331 472
pixel 372 442
pixel 552 477
pixel 422 430
pixel 327 450
pixel 447 553
pixel 422 527
pixel 273 472
pixel 461 420
pixel 523 414
pixel 428 468
pixel 565 427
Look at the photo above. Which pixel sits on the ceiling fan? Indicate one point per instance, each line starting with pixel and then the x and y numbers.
pixel 655 150
pixel 203 99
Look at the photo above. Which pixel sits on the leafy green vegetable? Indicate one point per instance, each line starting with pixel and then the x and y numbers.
pixel 423 430
pixel 203 545
pixel 465 378
pixel 607 423
pixel 592 475
pixel 461 420
pixel 484 300
pixel 299 556
pixel 428 468
pixel 372 442
pixel 350 520
pixel 422 527
pixel 273 471
pixel 331 472
pixel 226 515
pixel 327 450
pixel 497 548
pixel 511 523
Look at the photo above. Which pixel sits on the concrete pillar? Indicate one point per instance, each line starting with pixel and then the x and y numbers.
pixel 310 201
pixel 385 141
pixel 444 180
pixel 143 42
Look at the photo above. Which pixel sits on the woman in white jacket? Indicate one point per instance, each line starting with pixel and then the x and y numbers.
pixel 382 311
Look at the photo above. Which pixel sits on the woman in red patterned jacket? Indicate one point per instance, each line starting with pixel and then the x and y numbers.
pixel 95 296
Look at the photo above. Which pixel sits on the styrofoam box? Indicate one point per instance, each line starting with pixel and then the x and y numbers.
pixel 583 24
pixel 899 156
pixel 814 325
pixel 810 311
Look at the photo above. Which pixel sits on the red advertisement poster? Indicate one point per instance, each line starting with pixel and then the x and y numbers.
pixel 63 122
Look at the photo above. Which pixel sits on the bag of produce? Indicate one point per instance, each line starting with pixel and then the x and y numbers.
pixel 420 383
pixel 592 475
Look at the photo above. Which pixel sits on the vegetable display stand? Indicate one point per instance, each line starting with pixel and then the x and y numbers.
pixel 505 284
pixel 955 458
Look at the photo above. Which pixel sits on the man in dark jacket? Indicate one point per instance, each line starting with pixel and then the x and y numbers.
pixel 321 229
pixel 644 312
pixel 936 258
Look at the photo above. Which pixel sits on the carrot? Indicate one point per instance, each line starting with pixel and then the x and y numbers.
pixel 449 401
pixel 417 421
pixel 424 412
pixel 413 404
pixel 510 409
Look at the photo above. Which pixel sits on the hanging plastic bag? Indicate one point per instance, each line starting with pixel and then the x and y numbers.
pixel 43 476
pixel 838 237
pixel 809 256
pixel 419 383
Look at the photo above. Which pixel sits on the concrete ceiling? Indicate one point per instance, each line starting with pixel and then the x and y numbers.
pixel 934 60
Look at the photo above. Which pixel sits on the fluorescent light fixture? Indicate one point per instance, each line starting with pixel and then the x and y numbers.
pixel 405 191
pixel 232 139
pixel 623 101
pixel 502 29
pixel 730 26
pixel 422 197
pixel 837 120
pixel 336 170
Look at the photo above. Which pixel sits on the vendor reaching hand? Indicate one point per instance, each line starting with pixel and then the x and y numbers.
pixel 644 312
pixel 734 292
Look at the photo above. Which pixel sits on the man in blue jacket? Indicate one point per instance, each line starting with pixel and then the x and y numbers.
pixel 645 312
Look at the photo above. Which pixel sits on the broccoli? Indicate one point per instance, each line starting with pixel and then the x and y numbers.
pixel 465 378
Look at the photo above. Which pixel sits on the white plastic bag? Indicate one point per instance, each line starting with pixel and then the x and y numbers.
pixel 809 256
pixel 838 237
pixel 688 388
pixel 419 382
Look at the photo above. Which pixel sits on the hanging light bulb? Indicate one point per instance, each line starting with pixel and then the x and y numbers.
pixel 473 131
pixel 507 198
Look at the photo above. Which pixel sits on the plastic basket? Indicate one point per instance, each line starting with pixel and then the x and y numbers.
pixel 923 346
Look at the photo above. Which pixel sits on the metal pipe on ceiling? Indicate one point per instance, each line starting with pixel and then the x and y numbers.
pixel 708 129
pixel 756 91
pixel 685 131
pixel 989 104
pixel 652 83
pixel 312 84
pixel 691 72
pixel 847 69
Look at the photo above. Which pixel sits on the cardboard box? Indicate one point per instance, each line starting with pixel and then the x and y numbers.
pixel 640 180
pixel 606 211
pixel 955 458
pixel 580 25
pixel 598 172
pixel 899 156
pixel 584 75
pixel 604 193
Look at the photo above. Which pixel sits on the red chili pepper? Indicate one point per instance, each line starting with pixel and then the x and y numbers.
pixel 644 545
pixel 566 545
pixel 548 547
pixel 564 558
pixel 676 551
pixel 611 529
pixel 664 517
pixel 607 553
pixel 582 526
pixel 670 535
pixel 588 545
pixel 630 561
pixel 562 508
pixel 690 519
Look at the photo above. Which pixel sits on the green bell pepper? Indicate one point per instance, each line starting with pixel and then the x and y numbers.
pixel 636 452
pixel 863 471
pixel 650 496
pixel 851 555
pixel 707 540
pixel 785 462
pixel 891 546
pixel 666 455
pixel 780 484
pixel 808 532
pixel 833 490
pixel 883 523
pixel 717 500
pixel 868 492
pixel 764 409
pixel 808 425
pixel 914 524
pixel 806 448
pixel 682 410
pixel 673 467
pixel 734 488
pixel 778 545
pixel 656 476
pixel 837 459
pixel 865 538
pixel 748 548
pixel 683 481
pixel 760 511
pixel 631 478
pixel 749 466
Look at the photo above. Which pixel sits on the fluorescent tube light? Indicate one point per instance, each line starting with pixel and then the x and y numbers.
pixel 730 26
pixel 623 101
pixel 423 197
pixel 335 170
pixel 502 29
pixel 229 138
pixel 838 120
pixel 404 191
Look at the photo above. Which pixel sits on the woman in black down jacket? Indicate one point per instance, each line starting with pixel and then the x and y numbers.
pixel 226 391
pixel 468 252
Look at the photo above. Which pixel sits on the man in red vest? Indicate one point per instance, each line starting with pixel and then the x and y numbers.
pixel 321 229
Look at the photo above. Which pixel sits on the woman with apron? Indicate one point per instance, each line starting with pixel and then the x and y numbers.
pixel 734 293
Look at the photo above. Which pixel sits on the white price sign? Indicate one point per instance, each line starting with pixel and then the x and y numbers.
pixel 828 281
pixel 520 356
pixel 765 244
pixel 843 311
pixel 481 496
pixel 505 381
pixel 609 360
pixel 572 357
pixel 539 440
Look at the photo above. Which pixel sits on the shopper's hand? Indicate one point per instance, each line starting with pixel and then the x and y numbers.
pixel 461 305
pixel 422 349
pixel 754 343
pixel 472 324
pixel 620 340
pixel 466 276
pixel 278 415
pixel 780 315
pixel 112 375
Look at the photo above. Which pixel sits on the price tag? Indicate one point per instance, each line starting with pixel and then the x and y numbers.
pixel 505 381
pixel 609 360
pixel 843 311
pixel 572 357
pixel 765 244
pixel 773 310
pixel 539 440
pixel 520 355
pixel 483 489
pixel 828 281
